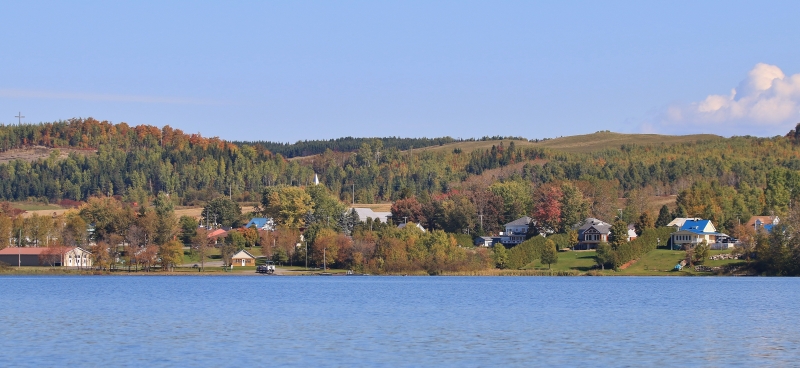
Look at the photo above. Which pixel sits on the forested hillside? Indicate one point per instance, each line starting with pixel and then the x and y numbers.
pixel 450 188
pixel 721 179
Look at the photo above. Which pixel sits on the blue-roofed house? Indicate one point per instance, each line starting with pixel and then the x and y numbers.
pixel 261 223
pixel 694 232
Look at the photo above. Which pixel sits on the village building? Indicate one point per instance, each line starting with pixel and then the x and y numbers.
pixel 76 257
pixel 261 223
pixel 364 213
pixel 762 222
pixel 679 221
pixel 592 232
pixel 516 231
pixel 243 258
pixel 694 232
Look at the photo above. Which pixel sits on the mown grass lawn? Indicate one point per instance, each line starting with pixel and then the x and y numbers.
pixel 579 261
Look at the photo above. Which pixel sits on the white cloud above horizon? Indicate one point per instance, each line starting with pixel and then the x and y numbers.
pixel 766 102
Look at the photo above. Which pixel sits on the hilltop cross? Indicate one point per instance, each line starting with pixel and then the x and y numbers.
pixel 20 118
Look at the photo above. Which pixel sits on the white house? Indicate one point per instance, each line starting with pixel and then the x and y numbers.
pixel 516 231
pixel 363 213
pixel 694 232
pixel 762 222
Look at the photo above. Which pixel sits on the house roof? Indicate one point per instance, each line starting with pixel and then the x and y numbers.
pixel 762 219
pixel 259 222
pixel 216 233
pixel 363 213
pixel 402 226
pixel 522 221
pixel 678 221
pixel 34 251
pixel 700 225
pixel 599 225
pixel 23 251
pixel 243 254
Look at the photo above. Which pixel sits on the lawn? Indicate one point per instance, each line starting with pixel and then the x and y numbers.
pixel 658 262
pixel 579 261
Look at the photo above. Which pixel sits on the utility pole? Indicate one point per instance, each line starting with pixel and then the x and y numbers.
pixel 19 249
pixel 19 117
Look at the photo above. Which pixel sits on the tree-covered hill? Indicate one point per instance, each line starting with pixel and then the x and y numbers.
pixel 738 176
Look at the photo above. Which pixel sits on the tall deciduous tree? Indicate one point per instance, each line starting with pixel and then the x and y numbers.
pixel 287 205
pixel 547 208
pixel 170 254
pixel 574 207
pixel 407 210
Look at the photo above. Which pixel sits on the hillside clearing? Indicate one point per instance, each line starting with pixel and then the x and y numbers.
pixel 33 153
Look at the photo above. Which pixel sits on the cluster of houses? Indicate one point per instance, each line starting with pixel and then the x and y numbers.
pixel 591 232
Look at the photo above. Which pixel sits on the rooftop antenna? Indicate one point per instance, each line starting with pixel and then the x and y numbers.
pixel 19 117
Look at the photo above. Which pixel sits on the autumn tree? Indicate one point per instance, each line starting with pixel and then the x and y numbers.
pixel 201 245
pixel 5 231
pixel 287 205
pixel 547 208
pixel 170 254
pixel 407 210
pixel 645 221
pixel 574 208
pixel 101 256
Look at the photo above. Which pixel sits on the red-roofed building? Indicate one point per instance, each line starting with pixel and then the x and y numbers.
pixel 46 256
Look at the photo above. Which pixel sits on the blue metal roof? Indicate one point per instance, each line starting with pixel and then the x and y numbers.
pixel 259 222
pixel 695 224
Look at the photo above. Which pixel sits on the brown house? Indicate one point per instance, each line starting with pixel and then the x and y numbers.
pixel 243 258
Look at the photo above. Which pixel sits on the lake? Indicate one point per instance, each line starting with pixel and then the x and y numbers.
pixel 398 321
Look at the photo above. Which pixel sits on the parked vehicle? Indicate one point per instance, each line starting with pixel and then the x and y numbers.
pixel 267 268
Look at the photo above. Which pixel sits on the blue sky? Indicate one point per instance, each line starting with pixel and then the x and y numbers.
pixel 291 70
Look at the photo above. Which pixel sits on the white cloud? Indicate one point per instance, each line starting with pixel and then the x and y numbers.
pixel 766 102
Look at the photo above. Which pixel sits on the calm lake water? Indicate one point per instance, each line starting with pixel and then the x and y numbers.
pixel 398 321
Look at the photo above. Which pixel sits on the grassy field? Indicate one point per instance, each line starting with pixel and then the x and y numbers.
pixel 603 140
pixel 34 206
pixel 582 143
pixel 659 262
pixel 471 146
pixel 377 207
